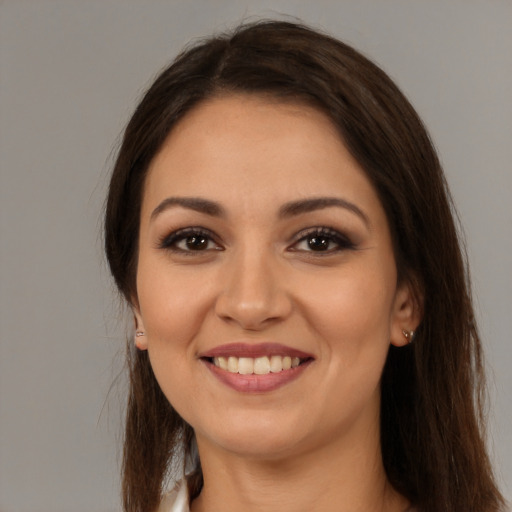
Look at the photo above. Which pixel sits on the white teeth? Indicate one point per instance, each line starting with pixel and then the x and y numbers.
pixel 258 366
pixel 245 365
pixel 233 364
pixel 222 362
pixel 276 364
pixel 261 365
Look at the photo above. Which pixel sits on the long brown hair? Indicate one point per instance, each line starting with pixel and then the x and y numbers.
pixel 432 416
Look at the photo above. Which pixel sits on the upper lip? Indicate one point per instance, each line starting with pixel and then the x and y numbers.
pixel 242 349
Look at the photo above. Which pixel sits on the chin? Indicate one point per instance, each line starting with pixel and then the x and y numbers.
pixel 256 439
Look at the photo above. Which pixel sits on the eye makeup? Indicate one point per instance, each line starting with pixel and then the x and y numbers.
pixel 321 240
pixel 189 240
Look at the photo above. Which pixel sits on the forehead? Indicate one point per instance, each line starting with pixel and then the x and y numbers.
pixel 260 148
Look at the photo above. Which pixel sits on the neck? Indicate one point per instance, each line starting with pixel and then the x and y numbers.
pixel 343 478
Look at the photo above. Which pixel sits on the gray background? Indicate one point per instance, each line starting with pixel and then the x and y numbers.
pixel 70 74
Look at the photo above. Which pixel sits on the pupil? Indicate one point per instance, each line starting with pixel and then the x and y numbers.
pixel 197 242
pixel 318 243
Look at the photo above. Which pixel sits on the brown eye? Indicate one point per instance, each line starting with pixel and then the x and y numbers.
pixel 190 240
pixel 197 242
pixel 319 243
pixel 322 240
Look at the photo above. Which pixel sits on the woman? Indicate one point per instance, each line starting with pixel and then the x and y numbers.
pixel 280 226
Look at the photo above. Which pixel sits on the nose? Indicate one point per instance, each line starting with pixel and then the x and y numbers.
pixel 253 291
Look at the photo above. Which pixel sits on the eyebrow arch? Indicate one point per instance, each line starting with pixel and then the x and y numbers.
pixel 197 204
pixel 318 203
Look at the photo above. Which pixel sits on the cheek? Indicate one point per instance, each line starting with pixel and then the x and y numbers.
pixel 354 305
pixel 173 310
pixel 171 304
pixel 352 311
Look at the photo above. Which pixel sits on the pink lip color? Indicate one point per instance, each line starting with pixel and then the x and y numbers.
pixel 255 383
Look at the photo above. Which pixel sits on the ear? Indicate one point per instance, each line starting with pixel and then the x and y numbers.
pixel 141 339
pixel 407 313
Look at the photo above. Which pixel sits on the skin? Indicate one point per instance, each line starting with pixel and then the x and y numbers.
pixel 313 443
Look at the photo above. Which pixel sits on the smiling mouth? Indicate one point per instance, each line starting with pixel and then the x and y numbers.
pixel 256 368
pixel 257 365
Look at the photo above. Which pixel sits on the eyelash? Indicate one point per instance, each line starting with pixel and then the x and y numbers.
pixel 170 242
pixel 342 242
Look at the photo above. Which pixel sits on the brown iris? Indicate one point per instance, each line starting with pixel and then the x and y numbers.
pixel 197 242
pixel 318 243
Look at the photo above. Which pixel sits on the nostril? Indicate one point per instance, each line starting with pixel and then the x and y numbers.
pixel 253 315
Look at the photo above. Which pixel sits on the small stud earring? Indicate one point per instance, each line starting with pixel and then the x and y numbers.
pixel 409 335
pixel 138 342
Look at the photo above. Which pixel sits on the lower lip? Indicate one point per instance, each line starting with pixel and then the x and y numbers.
pixel 257 383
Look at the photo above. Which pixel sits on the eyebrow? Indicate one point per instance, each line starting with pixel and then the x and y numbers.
pixel 197 204
pixel 290 209
pixel 319 203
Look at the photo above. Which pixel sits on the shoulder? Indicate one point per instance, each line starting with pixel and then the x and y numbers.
pixel 176 500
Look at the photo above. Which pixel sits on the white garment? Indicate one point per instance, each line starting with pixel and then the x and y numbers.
pixel 177 499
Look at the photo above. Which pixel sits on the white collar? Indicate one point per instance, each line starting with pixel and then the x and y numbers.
pixel 177 499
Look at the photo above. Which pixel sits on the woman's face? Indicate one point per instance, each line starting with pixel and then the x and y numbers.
pixel 264 245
